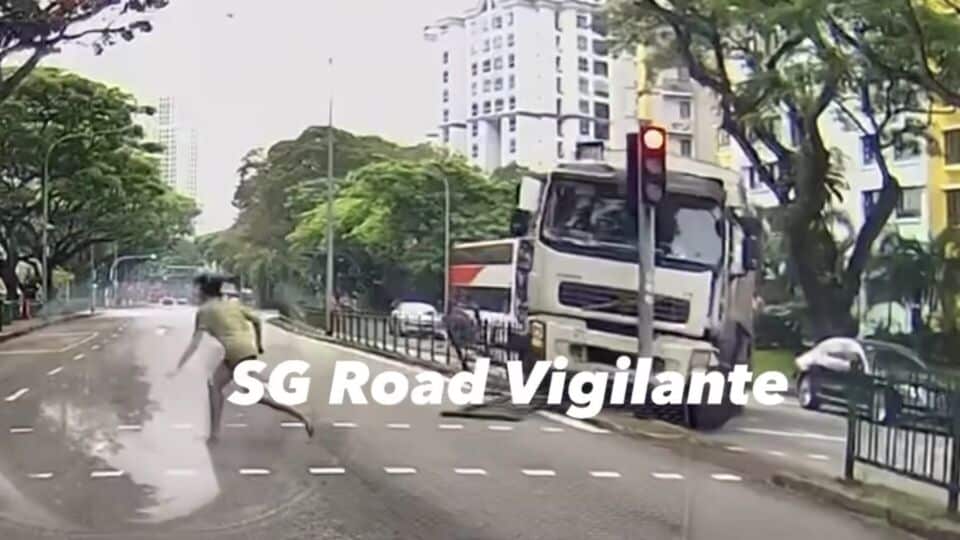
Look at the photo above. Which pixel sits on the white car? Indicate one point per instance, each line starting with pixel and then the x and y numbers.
pixel 415 318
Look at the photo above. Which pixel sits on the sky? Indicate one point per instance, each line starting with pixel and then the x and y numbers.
pixel 248 73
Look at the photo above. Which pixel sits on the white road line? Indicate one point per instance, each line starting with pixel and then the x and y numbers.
pixel 254 472
pixel 182 426
pixel 776 453
pixel 40 475
pixel 539 472
pixel 21 430
pixel 470 471
pixel 721 477
pixel 818 457
pixel 291 425
pixel 235 425
pixel 399 470
pixel 95 347
pixel 323 471
pixel 398 426
pixel 106 474
pixel 739 449
pixel 551 429
pixel 605 474
pixel 344 425
pixel 449 426
pixel 498 427
pixel 667 476
pixel 129 427
pixel 17 395
pixel 572 422
pixel 78 357
pixel 181 472
pixel 794 434
pixel 55 370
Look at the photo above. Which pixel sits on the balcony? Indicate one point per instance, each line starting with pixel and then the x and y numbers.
pixel 674 86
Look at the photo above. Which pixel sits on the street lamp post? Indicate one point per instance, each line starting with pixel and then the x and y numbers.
pixel 45 194
pixel 329 300
pixel 446 245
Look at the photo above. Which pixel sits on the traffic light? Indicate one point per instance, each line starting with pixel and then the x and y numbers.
pixel 646 166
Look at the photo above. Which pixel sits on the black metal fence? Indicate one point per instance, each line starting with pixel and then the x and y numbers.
pixel 907 424
pixel 428 338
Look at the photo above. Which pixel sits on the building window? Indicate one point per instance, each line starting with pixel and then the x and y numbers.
pixel 497 22
pixel 486 45
pixel 953 208
pixel 601 89
pixel 446 135
pixel 473 88
pixel 560 149
pixel 509 18
pixel 905 149
pixel 910 204
pixel 497 42
pixel 951 145
pixel 599 24
pixel 584 85
pixel 868 149
pixel 749 177
pixel 581 43
pixel 446 96
pixel 513 146
pixel 559 85
pixel 498 84
pixel 559 128
pixel 446 57
pixel 583 64
pixel 601 110
pixel 584 107
pixel 510 40
pixel 585 127
pixel 683 73
pixel 556 40
pixel 498 62
pixel 583 21
pixel 723 138
pixel 473 69
pixel 486 66
pixel 512 123
pixel 600 47
pixel 556 20
pixel 511 82
pixel 487 108
pixel 474 109
pixel 475 151
pixel 513 103
pixel 603 131
pixel 486 85
pixel 686 147
pixel 511 61
pixel 559 107
pixel 446 115
pixel 559 66
pixel 684 110
pixel 600 68
pixel 474 129
pixel 498 105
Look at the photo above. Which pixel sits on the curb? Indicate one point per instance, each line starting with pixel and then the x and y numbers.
pixel 934 527
pixel 24 331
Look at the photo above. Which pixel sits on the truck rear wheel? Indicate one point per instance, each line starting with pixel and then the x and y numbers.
pixel 708 417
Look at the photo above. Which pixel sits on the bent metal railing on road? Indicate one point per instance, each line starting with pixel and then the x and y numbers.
pixel 907 424
pixel 426 338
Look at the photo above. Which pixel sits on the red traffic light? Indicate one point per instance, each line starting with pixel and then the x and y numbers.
pixel 653 163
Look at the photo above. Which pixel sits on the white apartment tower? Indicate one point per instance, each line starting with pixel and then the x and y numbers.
pixel 525 80
pixel 179 161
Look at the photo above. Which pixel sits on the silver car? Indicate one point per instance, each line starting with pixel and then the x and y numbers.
pixel 415 318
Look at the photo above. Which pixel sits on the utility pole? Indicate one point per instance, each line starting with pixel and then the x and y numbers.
pixel 330 255
pixel 93 281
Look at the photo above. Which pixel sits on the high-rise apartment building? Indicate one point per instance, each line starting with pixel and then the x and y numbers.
pixel 523 82
pixel 180 142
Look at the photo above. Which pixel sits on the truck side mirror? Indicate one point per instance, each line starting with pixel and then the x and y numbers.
pixel 752 245
pixel 519 222
pixel 528 199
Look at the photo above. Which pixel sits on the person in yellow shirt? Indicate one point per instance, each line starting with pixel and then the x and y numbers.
pixel 240 332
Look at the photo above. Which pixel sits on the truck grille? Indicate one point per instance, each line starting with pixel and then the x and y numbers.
pixel 621 302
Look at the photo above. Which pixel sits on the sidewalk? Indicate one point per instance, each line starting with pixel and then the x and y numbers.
pixel 21 327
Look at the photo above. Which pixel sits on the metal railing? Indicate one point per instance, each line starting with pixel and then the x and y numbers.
pixel 907 424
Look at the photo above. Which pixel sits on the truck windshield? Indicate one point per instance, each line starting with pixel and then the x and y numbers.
pixel 492 299
pixel 591 219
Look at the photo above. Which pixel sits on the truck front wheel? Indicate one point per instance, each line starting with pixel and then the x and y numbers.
pixel 709 417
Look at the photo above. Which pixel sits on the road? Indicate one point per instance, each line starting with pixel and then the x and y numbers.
pixel 98 441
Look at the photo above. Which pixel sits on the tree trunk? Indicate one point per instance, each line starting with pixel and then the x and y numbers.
pixel 8 273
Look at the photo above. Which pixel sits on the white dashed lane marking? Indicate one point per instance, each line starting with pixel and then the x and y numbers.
pixel 55 370
pixel 17 430
pixel 468 471
pixel 605 474
pixel 181 472
pixel 344 425
pixel 667 476
pixel 95 347
pixel 78 357
pixel 129 427
pixel 739 449
pixel 235 425
pixel 498 427
pixel 551 429
pixel 17 395
pixel 818 457
pixel 776 453
pixel 399 470
pixel 183 426
pixel 539 472
pixel 722 477
pixel 106 474
pixel 324 471
pixel 40 475
pixel 793 434
pixel 398 426
pixel 572 422
pixel 449 426
pixel 292 424
pixel 254 472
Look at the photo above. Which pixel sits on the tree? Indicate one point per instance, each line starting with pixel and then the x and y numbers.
pixel 394 212
pixel 788 59
pixel 104 185
pixel 35 29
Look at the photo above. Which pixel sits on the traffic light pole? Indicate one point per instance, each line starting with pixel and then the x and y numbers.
pixel 646 244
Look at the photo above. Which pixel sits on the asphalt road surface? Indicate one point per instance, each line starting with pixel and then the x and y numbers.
pixel 96 440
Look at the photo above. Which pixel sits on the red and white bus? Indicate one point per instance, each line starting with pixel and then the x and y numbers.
pixel 485 276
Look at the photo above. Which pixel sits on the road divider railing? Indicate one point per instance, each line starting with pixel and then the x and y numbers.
pixel 906 423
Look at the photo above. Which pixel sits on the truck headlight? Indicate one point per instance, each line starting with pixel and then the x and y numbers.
pixel 538 339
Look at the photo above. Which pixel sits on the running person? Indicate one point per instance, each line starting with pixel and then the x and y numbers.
pixel 239 331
